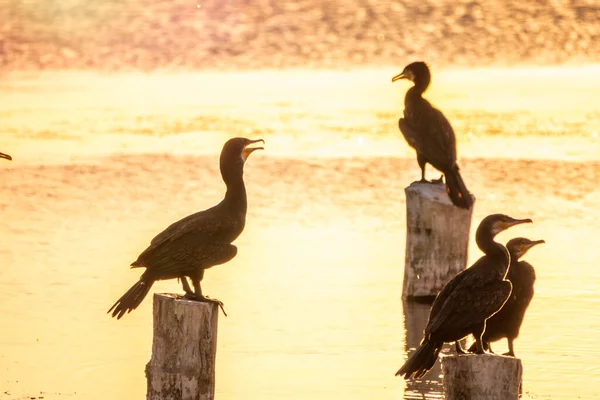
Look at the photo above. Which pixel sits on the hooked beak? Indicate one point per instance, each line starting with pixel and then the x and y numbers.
pixel 399 76
pixel 248 150
pixel 2 155
pixel 513 222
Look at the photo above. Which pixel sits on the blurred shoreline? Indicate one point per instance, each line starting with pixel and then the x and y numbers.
pixel 185 35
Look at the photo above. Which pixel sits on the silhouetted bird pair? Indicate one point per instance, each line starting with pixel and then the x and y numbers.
pixel 487 300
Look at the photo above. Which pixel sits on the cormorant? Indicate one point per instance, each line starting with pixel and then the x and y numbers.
pixel 471 297
pixel 199 241
pixel 2 155
pixel 506 323
pixel 427 130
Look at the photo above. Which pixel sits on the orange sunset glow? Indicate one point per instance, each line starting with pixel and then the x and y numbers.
pixel 115 115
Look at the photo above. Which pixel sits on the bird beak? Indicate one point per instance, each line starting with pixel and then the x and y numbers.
pixel 536 242
pixel 513 222
pixel 2 155
pixel 399 76
pixel 248 150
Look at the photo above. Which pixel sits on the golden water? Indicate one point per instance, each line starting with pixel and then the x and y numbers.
pixel 104 162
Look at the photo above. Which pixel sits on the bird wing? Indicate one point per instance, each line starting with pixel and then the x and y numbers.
pixel 445 135
pixel 408 132
pixel 472 303
pixel 441 148
pixel 183 224
pixel 203 227
pixel 187 252
pixel 430 133
pixel 443 295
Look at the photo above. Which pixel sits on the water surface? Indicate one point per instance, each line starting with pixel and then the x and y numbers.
pixel 104 162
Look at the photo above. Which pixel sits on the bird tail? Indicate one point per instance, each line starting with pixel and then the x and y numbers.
pixel 457 190
pixel 421 360
pixel 131 299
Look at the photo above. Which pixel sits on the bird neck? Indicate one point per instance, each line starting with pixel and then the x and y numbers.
pixel 235 196
pixel 491 248
pixel 414 96
pixel 514 257
pixel 421 85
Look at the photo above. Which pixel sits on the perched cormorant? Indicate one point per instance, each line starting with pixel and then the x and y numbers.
pixel 199 241
pixel 506 323
pixel 471 297
pixel 427 130
pixel 2 155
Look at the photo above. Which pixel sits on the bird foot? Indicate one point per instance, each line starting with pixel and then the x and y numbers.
pixel 509 353
pixel 195 297
pixel 438 181
pixel 433 181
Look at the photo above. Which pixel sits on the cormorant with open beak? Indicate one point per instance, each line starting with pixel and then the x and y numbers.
pixel 428 131
pixel 199 241
pixel 468 300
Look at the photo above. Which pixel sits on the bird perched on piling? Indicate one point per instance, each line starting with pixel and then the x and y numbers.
pixel 2 155
pixel 506 323
pixel 199 241
pixel 428 131
pixel 463 305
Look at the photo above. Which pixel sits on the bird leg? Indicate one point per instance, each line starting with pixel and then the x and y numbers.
pixel 480 349
pixel 511 349
pixel 423 180
pixel 459 348
pixel 479 344
pixel 422 163
pixel 198 296
pixel 186 287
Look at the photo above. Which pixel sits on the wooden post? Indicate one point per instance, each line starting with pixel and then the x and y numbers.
pixel 485 376
pixel 184 349
pixel 437 240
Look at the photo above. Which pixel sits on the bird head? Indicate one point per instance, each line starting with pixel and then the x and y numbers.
pixel 517 247
pixel 236 151
pixel 497 223
pixel 413 72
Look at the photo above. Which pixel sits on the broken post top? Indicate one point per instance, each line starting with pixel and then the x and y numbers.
pixel 181 300
pixel 486 376
pixel 431 191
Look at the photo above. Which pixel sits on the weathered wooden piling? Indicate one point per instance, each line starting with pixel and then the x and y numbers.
pixel 437 239
pixel 485 376
pixel 184 348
